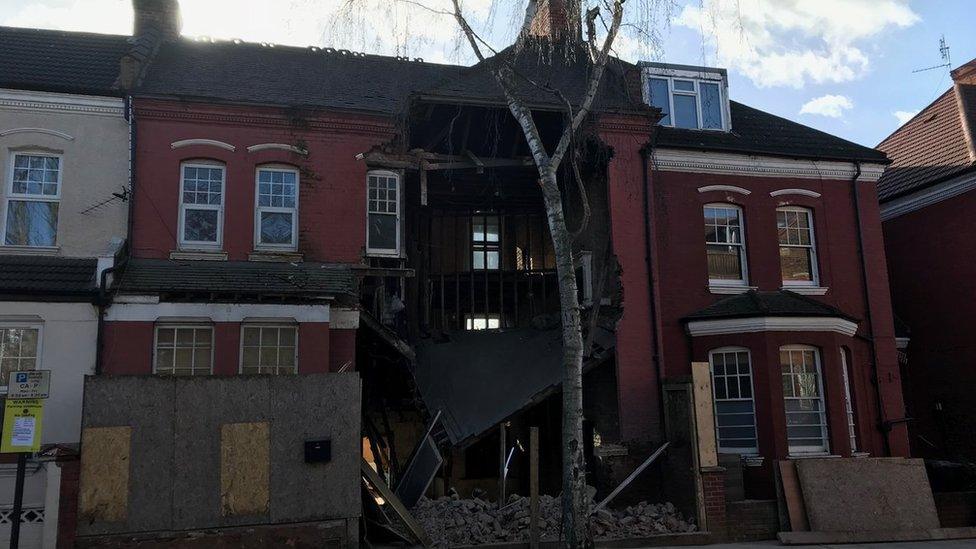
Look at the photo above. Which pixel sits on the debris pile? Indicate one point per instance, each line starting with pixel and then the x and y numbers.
pixel 451 521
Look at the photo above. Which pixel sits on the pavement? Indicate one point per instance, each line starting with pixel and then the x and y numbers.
pixel 946 544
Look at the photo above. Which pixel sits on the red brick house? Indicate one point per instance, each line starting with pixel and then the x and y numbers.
pixel 925 195
pixel 299 210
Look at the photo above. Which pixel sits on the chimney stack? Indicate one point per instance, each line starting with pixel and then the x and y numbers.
pixel 965 74
pixel 557 20
pixel 159 16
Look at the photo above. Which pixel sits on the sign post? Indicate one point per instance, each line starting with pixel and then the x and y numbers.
pixel 22 417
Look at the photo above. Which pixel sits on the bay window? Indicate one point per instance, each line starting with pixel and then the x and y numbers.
pixel 806 419
pixel 201 206
pixel 735 409
pixel 725 244
pixel 797 247
pixel 276 211
pixel 33 200
pixel 183 350
pixel 383 214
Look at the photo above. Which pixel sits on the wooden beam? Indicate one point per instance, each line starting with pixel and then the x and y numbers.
pixel 631 477
pixel 373 478
pixel 436 162
pixel 477 161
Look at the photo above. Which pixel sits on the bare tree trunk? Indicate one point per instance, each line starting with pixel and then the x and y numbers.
pixel 575 513
pixel 574 506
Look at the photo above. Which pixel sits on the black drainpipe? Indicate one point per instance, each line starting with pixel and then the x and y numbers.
pixel 652 300
pixel 869 337
pixel 104 299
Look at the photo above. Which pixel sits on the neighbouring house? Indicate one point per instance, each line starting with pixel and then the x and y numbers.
pixel 768 265
pixel 64 167
pixel 925 197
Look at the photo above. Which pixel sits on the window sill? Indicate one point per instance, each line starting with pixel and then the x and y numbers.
pixel 283 256
pixel 730 289
pixel 199 255
pixel 807 290
pixel 30 250
pixel 814 456
pixel 861 455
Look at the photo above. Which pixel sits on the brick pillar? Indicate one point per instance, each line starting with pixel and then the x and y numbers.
pixel 68 503
pixel 713 493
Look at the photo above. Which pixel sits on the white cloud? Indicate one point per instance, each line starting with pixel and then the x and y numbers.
pixel 904 116
pixel 794 42
pixel 832 106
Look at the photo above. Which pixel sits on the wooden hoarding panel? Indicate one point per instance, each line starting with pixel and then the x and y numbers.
pixel 105 459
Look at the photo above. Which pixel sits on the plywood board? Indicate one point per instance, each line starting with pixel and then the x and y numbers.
pixel 859 494
pixel 244 468
pixel 704 414
pixel 105 459
pixel 793 497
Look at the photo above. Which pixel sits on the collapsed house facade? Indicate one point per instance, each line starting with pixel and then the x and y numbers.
pixel 307 210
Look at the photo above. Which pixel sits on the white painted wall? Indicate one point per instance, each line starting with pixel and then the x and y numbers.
pixel 94 144
pixel 68 344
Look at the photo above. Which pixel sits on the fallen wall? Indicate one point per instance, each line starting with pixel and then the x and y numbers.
pixel 187 454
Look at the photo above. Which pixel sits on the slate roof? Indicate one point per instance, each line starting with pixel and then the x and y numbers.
pixel 60 61
pixel 758 132
pixel 755 304
pixel 304 279
pixel 39 276
pixel 932 146
pixel 546 66
pixel 286 76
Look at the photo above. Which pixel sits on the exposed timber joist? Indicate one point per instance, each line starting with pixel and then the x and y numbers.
pixel 418 159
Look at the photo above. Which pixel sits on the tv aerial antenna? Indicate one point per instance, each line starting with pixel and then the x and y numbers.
pixel 946 58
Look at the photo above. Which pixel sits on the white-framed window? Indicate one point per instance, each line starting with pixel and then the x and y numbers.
pixel 725 244
pixel 482 322
pixel 735 408
pixel 383 213
pixel 797 246
pixel 806 418
pixel 276 208
pixel 697 101
pixel 201 222
pixel 183 350
pixel 848 398
pixel 269 349
pixel 20 348
pixel 485 242
pixel 33 200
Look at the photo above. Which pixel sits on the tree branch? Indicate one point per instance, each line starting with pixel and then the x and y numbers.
pixel 593 85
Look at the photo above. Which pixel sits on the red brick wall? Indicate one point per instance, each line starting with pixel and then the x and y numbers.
pixel 956 509
pixel 713 488
pixel 342 349
pixel 681 261
pixel 68 503
pixel 752 520
pixel 128 347
pixel 931 284
pixel 332 187
pixel 638 391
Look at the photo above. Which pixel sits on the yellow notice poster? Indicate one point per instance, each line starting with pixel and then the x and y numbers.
pixel 22 425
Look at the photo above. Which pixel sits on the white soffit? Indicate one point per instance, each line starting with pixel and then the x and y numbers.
pixel 772 324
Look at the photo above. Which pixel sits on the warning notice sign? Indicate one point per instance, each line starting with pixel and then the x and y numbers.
pixel 22 425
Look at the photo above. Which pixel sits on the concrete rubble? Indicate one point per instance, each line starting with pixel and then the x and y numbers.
pixel 451 521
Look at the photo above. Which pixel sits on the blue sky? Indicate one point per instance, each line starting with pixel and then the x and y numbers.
pixel 842 66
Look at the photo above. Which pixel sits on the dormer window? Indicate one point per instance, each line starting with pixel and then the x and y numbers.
pixel 689 97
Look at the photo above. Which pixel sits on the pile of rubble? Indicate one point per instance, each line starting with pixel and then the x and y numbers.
pixel 451 521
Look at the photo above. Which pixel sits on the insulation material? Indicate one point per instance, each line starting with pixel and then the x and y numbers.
pixel 105 473
pixel 244 468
